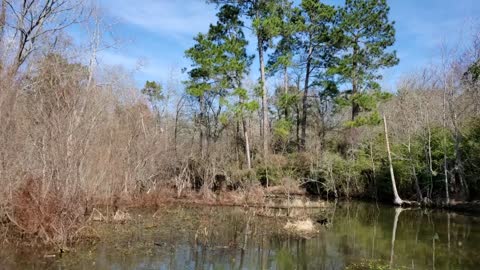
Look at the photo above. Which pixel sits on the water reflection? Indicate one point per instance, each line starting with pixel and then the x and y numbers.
pixel 232 238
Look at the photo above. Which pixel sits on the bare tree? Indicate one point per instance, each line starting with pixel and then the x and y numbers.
pixel 36 19
pixel 3 21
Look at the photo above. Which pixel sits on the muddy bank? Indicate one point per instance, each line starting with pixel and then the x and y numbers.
pixel 465 207
pixel 273 197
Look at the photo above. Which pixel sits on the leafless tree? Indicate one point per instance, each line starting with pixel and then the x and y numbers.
pixel 33 20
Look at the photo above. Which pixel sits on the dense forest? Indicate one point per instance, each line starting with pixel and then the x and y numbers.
pixel 75 134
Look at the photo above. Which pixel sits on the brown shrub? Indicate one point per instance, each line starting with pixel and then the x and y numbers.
pixel 53 217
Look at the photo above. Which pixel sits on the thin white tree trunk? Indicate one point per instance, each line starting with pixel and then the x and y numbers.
pixel 247 144
pixel 414 172
pixel 396 200
pixel 430 162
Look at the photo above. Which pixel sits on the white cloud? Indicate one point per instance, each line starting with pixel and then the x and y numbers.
pixel 144 69
pixel 166 17
pixel 169 25
pixel 114 58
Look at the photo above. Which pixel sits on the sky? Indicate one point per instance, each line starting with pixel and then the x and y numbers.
pixel 154 34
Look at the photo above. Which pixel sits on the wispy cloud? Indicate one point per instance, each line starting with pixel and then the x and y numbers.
pixel 165 17
pixel 162 30
pixel 144 69
pixel 115 58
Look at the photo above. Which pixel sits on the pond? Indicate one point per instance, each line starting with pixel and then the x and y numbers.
pixel 183 237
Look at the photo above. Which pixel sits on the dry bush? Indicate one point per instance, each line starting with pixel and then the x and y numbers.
pixel 49 217
pixel 82 144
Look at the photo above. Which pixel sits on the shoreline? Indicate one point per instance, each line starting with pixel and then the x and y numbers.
pixel 117 209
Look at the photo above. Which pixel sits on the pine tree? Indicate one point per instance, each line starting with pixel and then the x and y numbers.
pixel 367 33
pixel 266 25
pixel 318 45
pixel 220 62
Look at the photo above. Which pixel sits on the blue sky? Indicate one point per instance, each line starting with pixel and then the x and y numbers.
pixel 157 32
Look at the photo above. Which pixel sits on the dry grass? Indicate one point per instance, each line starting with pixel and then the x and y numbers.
pixel 300 226
pixel 50 217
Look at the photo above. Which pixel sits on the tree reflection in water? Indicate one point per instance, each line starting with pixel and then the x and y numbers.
pixel 235 238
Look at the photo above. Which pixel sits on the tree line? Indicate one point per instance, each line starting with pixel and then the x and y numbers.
pixel 326 61
pixel 75 133
pixel 334 52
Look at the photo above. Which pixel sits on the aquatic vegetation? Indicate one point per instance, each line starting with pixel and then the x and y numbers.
pixel 370 265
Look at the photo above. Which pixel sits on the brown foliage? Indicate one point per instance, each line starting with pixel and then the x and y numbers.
pixel 50 217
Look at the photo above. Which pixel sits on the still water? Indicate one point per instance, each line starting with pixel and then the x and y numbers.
pixel 239 238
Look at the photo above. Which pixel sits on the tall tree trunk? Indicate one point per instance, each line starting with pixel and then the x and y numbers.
pixel 264 97
pixel 322 108
pixel 237 148
pixel 175 130
pixel 297 126
pixel 285 88
pixel 459 160
pixel 303 135
pixel 247 143
pixel 297 116
pixel 445 166
pixel 203 135
pixel 396 200
pixel 355 106
pixel 414 172
pixel 429 156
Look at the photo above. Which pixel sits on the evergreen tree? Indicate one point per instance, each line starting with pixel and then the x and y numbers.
pixel 220 63
pixel 153 91
pixel 281 60
pixel 266 25
pixel 367 33
pixel 317 49
pixel 201 84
